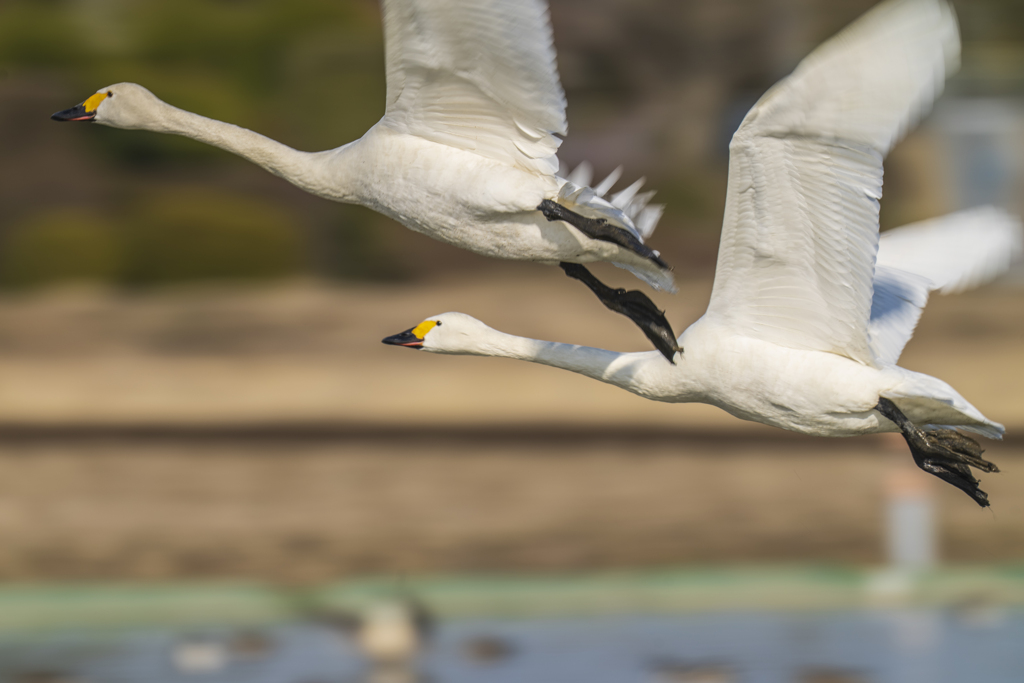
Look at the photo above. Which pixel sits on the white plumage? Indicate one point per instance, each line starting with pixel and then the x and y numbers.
pixel 796 261
pixel 466 150
pixel 802 331
pixel 478 76
pixel 949 254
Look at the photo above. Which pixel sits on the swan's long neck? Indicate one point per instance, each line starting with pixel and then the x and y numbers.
pixel 640 373
pixel 312 171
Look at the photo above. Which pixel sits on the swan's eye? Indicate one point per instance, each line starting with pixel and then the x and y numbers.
pixel 110 93
pixel 439 323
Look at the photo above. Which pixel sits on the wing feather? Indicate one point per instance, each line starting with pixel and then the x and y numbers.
pixel 797 256
pixel 478 75
pixel 948 254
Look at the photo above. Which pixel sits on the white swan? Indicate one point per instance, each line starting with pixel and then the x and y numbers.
pixel 465 151
pixel 803 331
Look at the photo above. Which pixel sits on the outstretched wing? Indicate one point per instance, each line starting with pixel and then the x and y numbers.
pixel 797 255
pixel 478 75
pixel 948 254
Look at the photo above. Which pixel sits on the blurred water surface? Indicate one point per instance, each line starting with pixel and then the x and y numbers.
pixel 884 646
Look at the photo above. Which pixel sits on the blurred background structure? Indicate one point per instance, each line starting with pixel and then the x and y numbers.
pixel 193 387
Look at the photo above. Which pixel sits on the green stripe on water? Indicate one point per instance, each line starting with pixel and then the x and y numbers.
pixel 46 607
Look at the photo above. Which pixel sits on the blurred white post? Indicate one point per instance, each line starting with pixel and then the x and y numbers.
pixel 911 529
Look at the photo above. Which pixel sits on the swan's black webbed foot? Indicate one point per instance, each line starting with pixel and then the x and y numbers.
pixel 946 453
pixel 634 305
pixel 600 229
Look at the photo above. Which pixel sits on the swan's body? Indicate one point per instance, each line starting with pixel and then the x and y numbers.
pixel 812 392
pixel 466 150
pixel 804 328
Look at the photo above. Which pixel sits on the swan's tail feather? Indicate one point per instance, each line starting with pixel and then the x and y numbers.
pixel 934 404
pixel 582 175
pixel 623 198
pixel 657 278
pixel 993 431
pixel 628 208
pixel 602 188
pixel 648 219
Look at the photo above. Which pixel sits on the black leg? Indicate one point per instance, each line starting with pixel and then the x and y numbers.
pixel 634 305
pixel 946 453
pixel 599 229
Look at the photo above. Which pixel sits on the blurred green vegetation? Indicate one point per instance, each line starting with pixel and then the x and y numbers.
pixel 38 34
pixel 188 234
pixel 307 72
pixel 62 245
pixel 311 74
pixel 991 20
pixel 180 235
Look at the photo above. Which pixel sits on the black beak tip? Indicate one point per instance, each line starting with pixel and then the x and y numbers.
pixel 77 113
pixel 407 339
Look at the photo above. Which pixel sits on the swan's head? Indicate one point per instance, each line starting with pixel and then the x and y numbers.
pixel 455 333
pixel 125 105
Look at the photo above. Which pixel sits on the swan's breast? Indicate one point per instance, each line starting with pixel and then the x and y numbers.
pixel 805 391
pixel 453 195
pixel 431 184
pixel 456 196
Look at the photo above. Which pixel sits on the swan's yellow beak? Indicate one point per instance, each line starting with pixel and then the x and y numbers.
pixel 86 111
pixel 413 337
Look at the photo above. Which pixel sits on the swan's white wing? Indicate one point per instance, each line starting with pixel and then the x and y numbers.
pixel 949 254
pixel 798 246
pixel 479 75
pixel 955 252
pixel 899 299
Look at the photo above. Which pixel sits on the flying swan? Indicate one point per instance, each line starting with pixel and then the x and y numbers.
pixel 465 152
pixel 805 324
